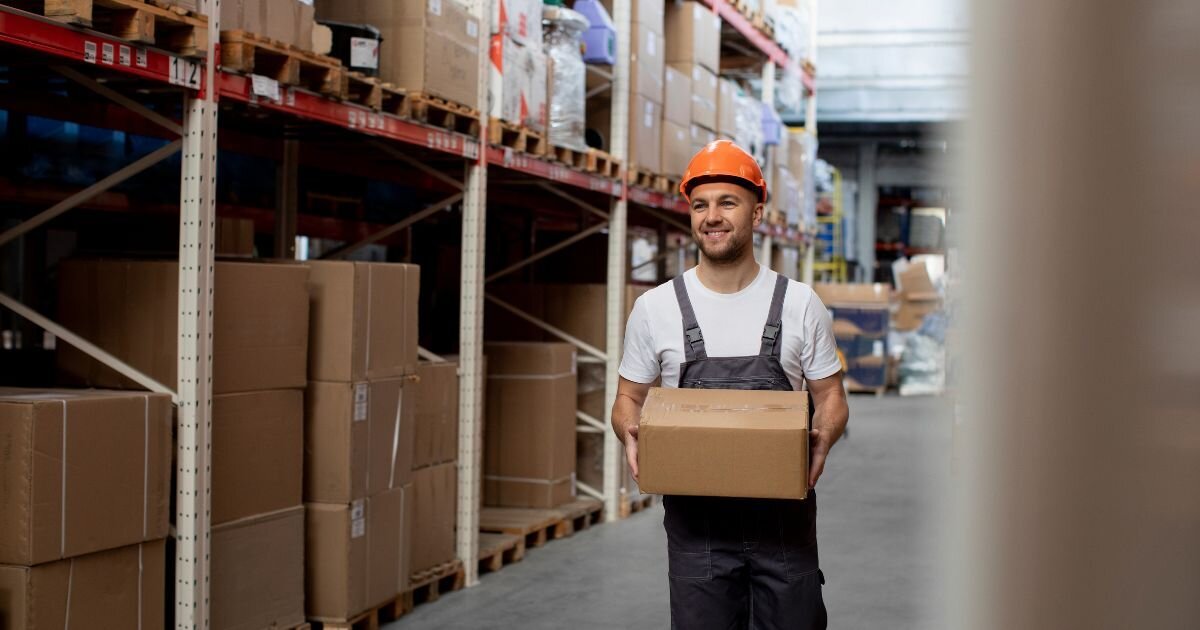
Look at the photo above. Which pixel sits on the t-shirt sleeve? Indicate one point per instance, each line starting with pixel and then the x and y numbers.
pixel 639 362
pixel 818 355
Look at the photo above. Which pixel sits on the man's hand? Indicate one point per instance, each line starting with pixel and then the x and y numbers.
pixel 829 421
pixel 818 449
pixel 631 449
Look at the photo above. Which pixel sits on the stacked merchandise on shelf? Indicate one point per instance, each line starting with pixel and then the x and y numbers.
pixel 579 310
pixel 789 88
pixel 359 435
pixel 694 50
pixel 518 68
pixel 792 23
pixel 647 58
pixel 677 121
pixel 259 354
pixel 567 86
pixel 435 468
pixel 801 160
pixel 429 48
pixel 289 22
pixel 860 315
pixel 84 511
pixel 919 327
pixel 529 432
pixel 727 108
pixel 749 127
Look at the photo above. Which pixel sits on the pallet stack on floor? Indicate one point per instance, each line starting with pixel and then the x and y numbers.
pixel 861 316
pixel 433 548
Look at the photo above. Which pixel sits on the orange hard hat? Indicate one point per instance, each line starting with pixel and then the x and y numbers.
pixel 722 159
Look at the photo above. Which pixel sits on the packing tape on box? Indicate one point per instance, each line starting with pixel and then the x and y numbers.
pixel 141 581
pixel 70 583
pixel 540 482
pixel 396 437
pixel 367 353
pixel 723 408
pixel 529 377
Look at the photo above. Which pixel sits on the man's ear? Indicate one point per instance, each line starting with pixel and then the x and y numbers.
pixel 759 208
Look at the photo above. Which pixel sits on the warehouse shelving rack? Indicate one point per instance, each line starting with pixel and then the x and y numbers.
pixel 149 83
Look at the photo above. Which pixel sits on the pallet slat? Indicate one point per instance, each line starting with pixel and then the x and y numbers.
pixel 134 21
pixel 499 550
pixel 518 138
pixel 426 586
pixel 247 52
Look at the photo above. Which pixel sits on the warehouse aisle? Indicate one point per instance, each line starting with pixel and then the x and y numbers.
pixel 878 537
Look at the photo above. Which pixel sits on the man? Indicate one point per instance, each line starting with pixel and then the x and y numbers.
pixel 730 323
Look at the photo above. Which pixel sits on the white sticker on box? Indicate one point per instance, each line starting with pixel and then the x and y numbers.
pixel 265 87
pixel 696 74
pixel 877 349
pixel 364 52
pixel 358 528
pixel 648 121
pixel 472 28
pixel 651 44
pixel 435 7
pixel 358 509
pixel 361 400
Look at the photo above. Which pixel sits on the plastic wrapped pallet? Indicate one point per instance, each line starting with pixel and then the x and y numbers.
pixel 789 90
pixel 567 94
pixel 521 20
pixel 518 83
pixel 750 128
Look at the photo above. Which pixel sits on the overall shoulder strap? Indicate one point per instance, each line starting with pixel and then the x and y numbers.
pixel 693 339
pixel 772 337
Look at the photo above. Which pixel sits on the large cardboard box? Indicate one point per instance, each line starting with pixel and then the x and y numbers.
pixel 115 589
pixel 646 12
pixel 434 515
pixel 235 237
pixel 677 96
pixel 81 471
pixel 358 439
pixel 645 137
pixel 693 35
pixel 729 443
pixel 647 62
pixel 356 554
pixel 257 453
pixel 727 108
pixel 435 436
pixel 856 308
pixel 364 320
pixel 677 147
pixel 430 47
pixel 701 137
pixel 705 93
pixel 131 309
pixel 257 572
pixel 243 15
pixel 529 452
pixel 918 298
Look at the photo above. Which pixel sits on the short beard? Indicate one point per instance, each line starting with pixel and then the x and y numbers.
pixel 732 255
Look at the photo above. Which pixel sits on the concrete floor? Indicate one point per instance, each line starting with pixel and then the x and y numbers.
pixel 879 526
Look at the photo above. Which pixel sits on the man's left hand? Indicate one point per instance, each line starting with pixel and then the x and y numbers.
pixel 818 450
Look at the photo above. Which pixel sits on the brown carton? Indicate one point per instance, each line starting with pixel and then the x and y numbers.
pixel 727 108
pixel 280 20
pixel 646 62
pixel 712 442
pixel 677 96
pixel 645 137
pixel 429 47
pixel 435 436
pixel 115 589
pixel 843 294
pixel 434 515
pixel 705 93
pixel 356 554
pixel 646 12
pixel 358 439
pixel 701 137
pixel 235 237
pixel 693 35
pixel 243 15
pixel 257 572
pixel 81 471
pixel 529 452
pixel 257 453
pixel 131 309
pixel 677 148
pixel 364 320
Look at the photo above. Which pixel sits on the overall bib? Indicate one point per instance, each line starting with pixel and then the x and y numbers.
pixel 736 562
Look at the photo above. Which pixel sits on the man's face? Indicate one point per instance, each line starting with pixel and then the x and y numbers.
pixel 723 219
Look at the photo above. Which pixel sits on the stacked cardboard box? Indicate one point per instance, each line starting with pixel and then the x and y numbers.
pixel 289 22
pixel 727 92
pixel 677 120
pixel 260 349
pixel 918 297
pixel 860 322
pixel 84 511
pixel 427 47
pixel 646 88
pixel 694 49
pixel 435 469
pixel 529 437
pixel 358 437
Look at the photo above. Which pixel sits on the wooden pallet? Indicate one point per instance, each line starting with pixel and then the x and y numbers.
pixel 364 90
pixel 602 164
pixel 570 157
pixel 251 53
pixel 631 505
pixel 516 137
pixel 497 551
pixel 534 526
pixel 394 100
pixel 425 586
pixel 137 21
pixel 577 516
pixel 764 23
pixel 439 112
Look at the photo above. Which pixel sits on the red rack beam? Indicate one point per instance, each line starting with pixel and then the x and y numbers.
pixel 545 169
pixel 759 40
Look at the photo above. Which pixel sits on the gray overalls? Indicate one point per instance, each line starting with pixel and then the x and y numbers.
pixel 734 562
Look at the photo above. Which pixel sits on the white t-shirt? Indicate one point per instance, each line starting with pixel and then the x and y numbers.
pixel 732 324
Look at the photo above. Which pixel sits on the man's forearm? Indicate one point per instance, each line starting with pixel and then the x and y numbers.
pixel 831 415
pixel 624 415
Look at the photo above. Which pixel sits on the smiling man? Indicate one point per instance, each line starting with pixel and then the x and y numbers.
pixel 735 562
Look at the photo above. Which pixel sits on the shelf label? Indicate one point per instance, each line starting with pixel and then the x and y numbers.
pixel 470 149
pixel 265 87
pixel 89 52
pixel 126 56
pixel 289 98
pixel 142 61
pixel 108 53
pixel 187 74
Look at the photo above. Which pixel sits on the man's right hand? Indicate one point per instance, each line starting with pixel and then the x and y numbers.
pixel 631 449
